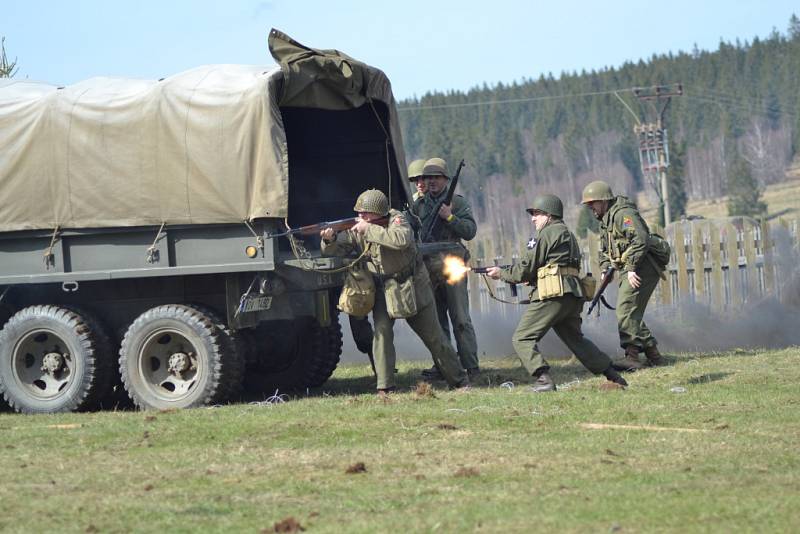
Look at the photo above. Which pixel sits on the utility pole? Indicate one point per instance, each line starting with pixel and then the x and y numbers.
pixel 653 140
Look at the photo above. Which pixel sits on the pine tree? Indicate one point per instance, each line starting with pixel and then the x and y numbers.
pixel 744 193
pixel 7 70
pixel 794 28
pixel 676 181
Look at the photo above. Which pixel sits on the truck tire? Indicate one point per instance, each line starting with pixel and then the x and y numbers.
pixel 51 360
pixel 233 364
pixel 114 395
pixel 5 315
pixel 172 356
pixel 313 353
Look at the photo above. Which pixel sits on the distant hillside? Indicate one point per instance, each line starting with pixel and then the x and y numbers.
pixel 557 134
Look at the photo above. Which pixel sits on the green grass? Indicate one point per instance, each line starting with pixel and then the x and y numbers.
pixel 492 459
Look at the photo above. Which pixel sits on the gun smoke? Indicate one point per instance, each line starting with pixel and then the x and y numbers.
pixel 766 321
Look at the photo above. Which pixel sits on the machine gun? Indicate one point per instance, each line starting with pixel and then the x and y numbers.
pixel 311 229
pixel 598 297
pixel 426 235
pixel 484 270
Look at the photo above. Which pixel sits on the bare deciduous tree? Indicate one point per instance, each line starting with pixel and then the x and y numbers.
pixel 7 69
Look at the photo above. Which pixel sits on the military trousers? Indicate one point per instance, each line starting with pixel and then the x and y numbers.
pixel 452 306
pixel 425 325
pixel 631 303
pixel 562 314
pixel 362 333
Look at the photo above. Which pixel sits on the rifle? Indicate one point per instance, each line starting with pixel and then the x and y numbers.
pixel 598 297
pixel 435 220
pixel 339 225
pixel 484 270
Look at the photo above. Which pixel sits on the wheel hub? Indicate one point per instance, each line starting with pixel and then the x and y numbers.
pixel 53 362
pixel 179 363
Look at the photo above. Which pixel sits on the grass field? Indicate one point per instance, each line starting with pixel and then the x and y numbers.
pixel 708 443
pixel 783 200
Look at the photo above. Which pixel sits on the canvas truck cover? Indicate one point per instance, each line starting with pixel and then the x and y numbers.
pixel 200 147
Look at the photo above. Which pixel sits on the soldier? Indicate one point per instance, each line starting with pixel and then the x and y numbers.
pixel 415 175
pixel 552 267
pixel 640 257
pixel 386 241
pixel 451 300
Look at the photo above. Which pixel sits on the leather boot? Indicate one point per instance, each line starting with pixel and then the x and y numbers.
pixel 432 374
pixel 629 362
pixel 653 356
pixel 543 383
pixel 614 379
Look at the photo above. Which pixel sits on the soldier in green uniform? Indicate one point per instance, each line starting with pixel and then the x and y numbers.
pixel 552 267
pixel 386 241
pixel 640 257
pixel 415 176
pixel 451 300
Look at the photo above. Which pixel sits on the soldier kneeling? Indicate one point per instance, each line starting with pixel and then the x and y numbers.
pixel 552 267
pixel 384 242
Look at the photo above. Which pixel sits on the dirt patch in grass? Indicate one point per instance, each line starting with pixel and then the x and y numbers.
pixel 290 524
pixel 466 472
pixel 424 391
pixel 356 468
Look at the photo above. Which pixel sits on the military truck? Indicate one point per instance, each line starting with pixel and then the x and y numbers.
pixel 137 220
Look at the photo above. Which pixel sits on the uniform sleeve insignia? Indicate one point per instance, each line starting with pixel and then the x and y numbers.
pixel 627 222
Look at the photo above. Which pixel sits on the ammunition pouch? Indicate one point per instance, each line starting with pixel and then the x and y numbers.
pixel 399 292
pixel 588 286
pixel 358 293
pixel 550 280
pixel 401 297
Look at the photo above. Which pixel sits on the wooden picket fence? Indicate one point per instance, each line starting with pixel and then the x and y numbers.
pixel 724 264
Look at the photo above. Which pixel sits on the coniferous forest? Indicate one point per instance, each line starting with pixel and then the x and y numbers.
pixel 739 115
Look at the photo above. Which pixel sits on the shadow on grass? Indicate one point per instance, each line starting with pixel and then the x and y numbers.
pixel 707 378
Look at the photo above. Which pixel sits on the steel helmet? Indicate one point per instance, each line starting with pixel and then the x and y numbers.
pixel 597 190
pixel 372 201
pixel 549 204
pixel 415 169
pixel 436 167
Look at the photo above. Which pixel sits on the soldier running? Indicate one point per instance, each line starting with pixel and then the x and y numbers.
pixel 640 257
pixel 451 300
pixel 386 241
pixel 552 267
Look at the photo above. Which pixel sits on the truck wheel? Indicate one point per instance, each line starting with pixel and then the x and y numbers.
pixel 312 359
pixel 233 363
pixel 51 360
pixel 173 356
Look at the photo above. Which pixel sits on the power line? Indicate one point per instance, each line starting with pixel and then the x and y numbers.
pixel 706 95
pixel 516 100
pixel 733 105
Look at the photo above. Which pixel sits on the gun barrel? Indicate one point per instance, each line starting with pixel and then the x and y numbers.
pixel 484 270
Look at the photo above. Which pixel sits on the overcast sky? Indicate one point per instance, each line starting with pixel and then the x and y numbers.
pixel 421 45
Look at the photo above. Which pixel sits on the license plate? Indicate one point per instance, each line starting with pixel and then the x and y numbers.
pixel 256 304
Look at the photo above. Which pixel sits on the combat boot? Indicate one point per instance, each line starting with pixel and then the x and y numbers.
pixel 629 362
pixel 543 383
pixel 432 374
pixel 614 379
pixel 653 356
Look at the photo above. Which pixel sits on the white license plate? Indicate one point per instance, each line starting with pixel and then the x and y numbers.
pixel 256 304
